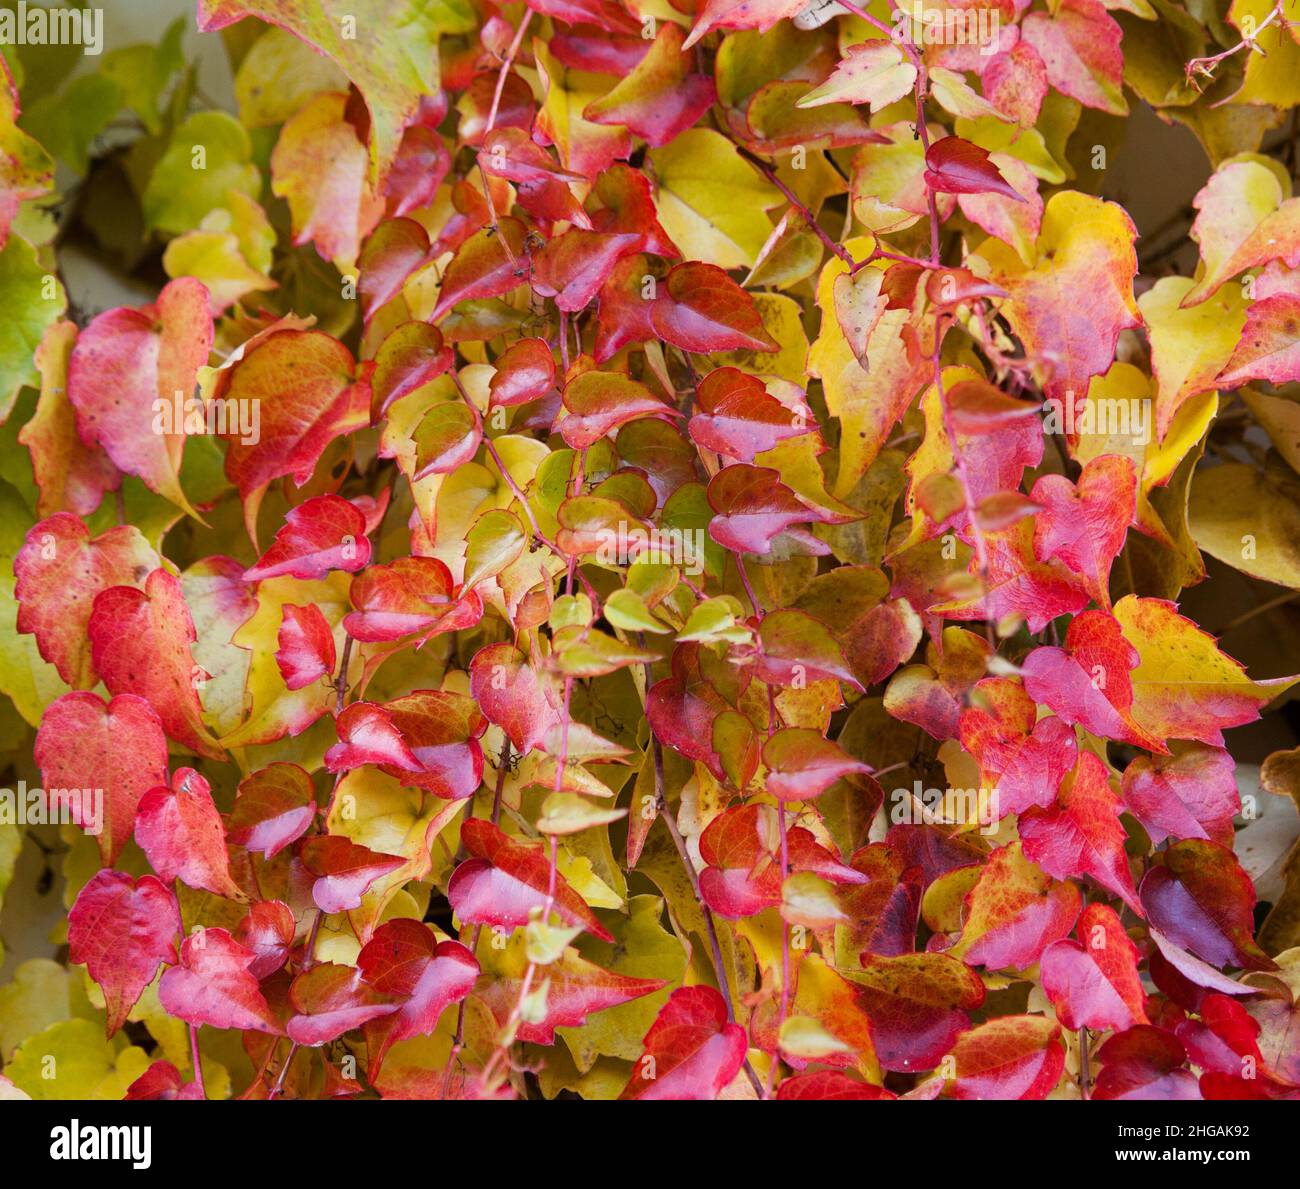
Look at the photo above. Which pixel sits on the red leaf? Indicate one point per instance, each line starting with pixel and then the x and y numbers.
pixel 512 694
pixel 504 880
pixel 1190 794
pixel 1144 1063
pixel 699 308
pixel 1197 894
pixel 404 961
pixel 573 266
pixel 1084 526
pixel 955 166
pixel 309 389
pixel 268 931
pixel 754 509
pixel 739 418
pixel 1088 681
pixel 1025 759
pixel 122 929
pixel 441 729
pixel 59 571
pixel 1094 982
pixel 1081 834
pixel 273 808
pixel 599 402
pixel 488 264
pixel 162 1082
pixel 343 870
pixel 330 1000
pixel 119 748
pixel 180 831
pixel 306 646
pixel 406 596
pixel 1015 1057
pixel 412 355
pixel 128 360
pixel 140 643
pixel 802 764
pixel 525 371
pixel 214 985
pixel 325 533
pixel 917 1005
pixel 367 736
pixel 691 1051
pixel 829 1085
pixel 660 98
pixel 393 252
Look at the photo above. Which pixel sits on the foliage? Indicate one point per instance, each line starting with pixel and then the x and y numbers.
pixel 642 550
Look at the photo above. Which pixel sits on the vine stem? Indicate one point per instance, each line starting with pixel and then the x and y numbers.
pixel 497 92
pixel 194 1059
pixel 530 973
pixel 458 1041
pixel 1204 67
pixel 683 853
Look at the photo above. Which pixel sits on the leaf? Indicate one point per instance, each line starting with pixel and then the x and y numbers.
pixel 801 764
pixel 1248 519
pixel 917 1005
pixel 1144 1063
pixel 1197 894
pixel 691 1051
pixel 1189 794
pixel 1084 524
pixel 1019 1057
pixel 575 990
pixel 329 1000
pixel 598 403
pixel 118 750
pixel 343 871
pixel 393 62
pixel 1080 834
pixel 181 833
pixel 129 376
pixel 710 202
pixel 273 808
pixel 1090 680
pixel 406 596
pixel 1183 686
pixel 660 98
pixel 1085 246
pixel 702 309
pixel 309 390
pixel 955 166
pixel 306 646
pixel 70 475
pixel 325 533
pixel 122 929
pixel 60 570
pixel 875 73
pixel 524 371
pixel 140 643
pixel 513 695
pixel 213 985
pixel 503 881
pixel 319 167
pixel 1014 912
pixel 1079 45
pixel 1094 982
pixel 402 960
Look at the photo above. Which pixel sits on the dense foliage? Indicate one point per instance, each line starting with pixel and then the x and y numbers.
pixel 636 550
